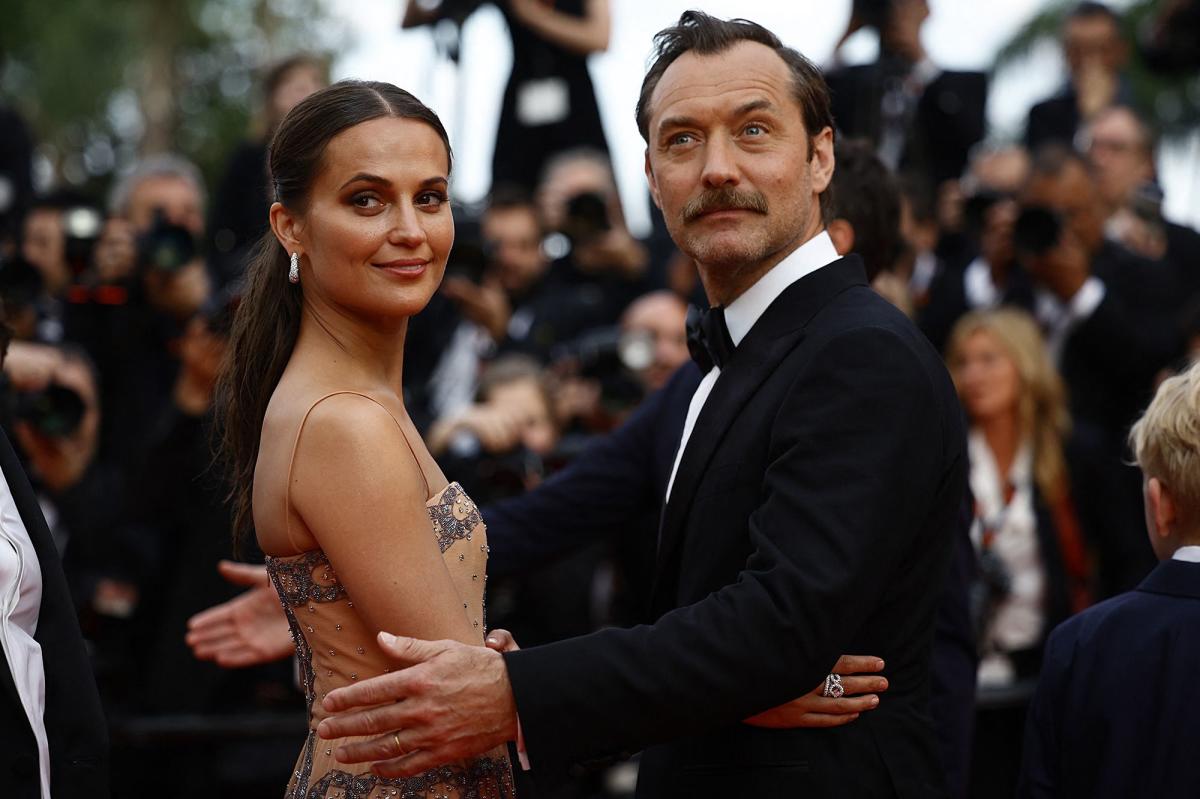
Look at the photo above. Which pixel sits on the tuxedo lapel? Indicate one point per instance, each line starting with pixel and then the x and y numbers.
pixel 772 337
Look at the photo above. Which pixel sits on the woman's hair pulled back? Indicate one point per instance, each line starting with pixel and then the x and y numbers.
pixel 267 320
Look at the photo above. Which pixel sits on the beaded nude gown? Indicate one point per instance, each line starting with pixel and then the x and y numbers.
pixel 335 648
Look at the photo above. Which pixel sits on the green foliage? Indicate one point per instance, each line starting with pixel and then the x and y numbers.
pixel 85 74
pixel 1173 101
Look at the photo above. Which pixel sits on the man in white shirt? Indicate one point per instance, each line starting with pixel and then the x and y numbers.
pixel 53 737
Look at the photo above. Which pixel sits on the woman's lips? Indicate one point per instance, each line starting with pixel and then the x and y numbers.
pixel 404 267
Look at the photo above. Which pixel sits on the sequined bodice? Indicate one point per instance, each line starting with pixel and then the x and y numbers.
pixel 335 648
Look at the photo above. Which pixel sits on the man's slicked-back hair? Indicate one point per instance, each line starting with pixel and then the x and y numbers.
pixel 708 35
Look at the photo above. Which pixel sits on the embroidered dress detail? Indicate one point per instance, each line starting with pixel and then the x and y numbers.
pixel 336 647
pixel 454 518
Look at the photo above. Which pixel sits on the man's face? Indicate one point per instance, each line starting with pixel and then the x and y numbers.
pixel 514 238
pixel 527 404
pixel 1119 155
pixel 44 246
pixel 178 198
pixel 1093 42
pixel 1072 194
pixel 663 318
pixel 728 163
pixel 569 180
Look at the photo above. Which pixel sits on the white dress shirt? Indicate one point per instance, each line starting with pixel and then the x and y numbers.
pixel 20 603
pixel 1188 554
pixel 742 313
pixel 1019 617
pixel 1058 319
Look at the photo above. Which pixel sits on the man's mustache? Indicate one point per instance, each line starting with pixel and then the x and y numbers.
pixel 724 199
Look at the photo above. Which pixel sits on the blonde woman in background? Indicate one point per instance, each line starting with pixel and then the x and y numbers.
pixel 1032 567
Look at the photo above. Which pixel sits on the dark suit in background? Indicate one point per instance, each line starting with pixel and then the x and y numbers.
pixel 1116 709
pixel 944 124
pixel 75 726
pixel 813 507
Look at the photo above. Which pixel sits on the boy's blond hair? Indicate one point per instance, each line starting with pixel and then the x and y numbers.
pixel 1166 441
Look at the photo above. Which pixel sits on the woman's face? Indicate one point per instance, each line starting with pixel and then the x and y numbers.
pixel 986 377
pixel 378 228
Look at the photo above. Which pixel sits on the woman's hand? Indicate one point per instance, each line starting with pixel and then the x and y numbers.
pixel 815 710
pixel 501 641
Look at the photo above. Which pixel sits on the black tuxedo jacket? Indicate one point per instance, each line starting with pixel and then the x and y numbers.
pixel 74 721
pixel 812 514
pixel 1115 710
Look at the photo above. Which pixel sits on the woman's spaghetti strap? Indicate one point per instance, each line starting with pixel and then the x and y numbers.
pixel 287 492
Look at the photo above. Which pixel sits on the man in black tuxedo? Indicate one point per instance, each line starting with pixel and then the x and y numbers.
pixel 71 733
pixel 1117 709
pixel 923 120
pixel 810 503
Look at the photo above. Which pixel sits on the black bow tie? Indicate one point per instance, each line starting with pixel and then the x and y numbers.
pixel 708 338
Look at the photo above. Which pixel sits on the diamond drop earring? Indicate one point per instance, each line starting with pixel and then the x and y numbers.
pixel 294 271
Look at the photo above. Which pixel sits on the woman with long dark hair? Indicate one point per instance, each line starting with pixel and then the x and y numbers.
pixel 361 529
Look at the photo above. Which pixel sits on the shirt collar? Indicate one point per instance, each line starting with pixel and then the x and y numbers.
pixel 742 313
pixel 1191 554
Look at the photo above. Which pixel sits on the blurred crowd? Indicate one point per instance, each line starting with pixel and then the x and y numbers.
pixel 1043 269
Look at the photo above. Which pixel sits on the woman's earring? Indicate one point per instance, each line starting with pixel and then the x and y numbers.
pixel 294 271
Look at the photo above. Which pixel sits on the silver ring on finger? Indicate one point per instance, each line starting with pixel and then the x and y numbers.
pixel 833 687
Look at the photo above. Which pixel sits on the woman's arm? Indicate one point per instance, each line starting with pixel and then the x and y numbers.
pixel 360 495
pixel 582 35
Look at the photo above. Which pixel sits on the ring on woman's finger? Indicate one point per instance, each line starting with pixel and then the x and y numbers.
pixel 399 748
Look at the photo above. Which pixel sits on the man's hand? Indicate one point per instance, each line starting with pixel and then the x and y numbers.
pixel 247 630
pixel 614 252
pixel 447 701
pixel 815 710
pixel 484 304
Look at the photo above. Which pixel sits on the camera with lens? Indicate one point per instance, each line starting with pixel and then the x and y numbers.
pixel 55 411
pixel 166 247
pixel 1037 230
pixel 82 226
pixel 586 218
pixel 20 286
pixel 470 257
pixel 612 358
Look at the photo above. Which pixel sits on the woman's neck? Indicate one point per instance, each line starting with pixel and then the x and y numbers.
pixel 1002 434
pixel 353 347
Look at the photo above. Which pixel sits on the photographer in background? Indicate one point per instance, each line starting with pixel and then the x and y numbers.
pixel 498 269
pixel 1097 54
pixel 52 407
pixel 58 237
pixel 497 446
pixel 918 116
pixel 1121 148
pixel 147 278
pixel 1109 321
pixel 979 270
pixel 598 268
pixel 659 319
